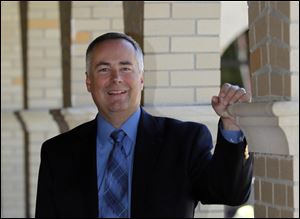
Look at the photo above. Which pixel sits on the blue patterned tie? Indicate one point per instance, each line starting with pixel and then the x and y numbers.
pixel 116 179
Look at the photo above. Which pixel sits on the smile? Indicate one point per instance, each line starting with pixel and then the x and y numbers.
pixel 117 92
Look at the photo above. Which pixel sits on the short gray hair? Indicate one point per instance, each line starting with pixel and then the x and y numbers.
pixel 111 36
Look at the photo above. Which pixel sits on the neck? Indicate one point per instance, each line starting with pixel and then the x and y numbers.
pixel 116 119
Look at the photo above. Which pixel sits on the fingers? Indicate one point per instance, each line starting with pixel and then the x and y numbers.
pixel 224 89
pixel 238 96
pixel 230 94
pixel 215 99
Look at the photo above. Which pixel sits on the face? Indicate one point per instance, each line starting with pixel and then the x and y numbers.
pixel 114 78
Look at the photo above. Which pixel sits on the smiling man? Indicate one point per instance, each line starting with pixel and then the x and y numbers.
pixel 128 163
pixel 115 79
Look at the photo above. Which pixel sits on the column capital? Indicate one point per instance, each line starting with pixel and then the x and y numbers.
pixel 270 127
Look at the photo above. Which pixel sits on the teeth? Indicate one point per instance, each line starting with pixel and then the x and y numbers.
pixel 116 92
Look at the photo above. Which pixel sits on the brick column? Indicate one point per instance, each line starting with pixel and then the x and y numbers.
pixel 11 57
pixel 269 50
pixel 12 167
pixel 44 86
pixel 271 122
pixel 294 49
pixel 35 121
pixel 44 55
pixel 12 137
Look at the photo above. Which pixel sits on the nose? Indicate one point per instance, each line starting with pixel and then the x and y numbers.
pixel 116 76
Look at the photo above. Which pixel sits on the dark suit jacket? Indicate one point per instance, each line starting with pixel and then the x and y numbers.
pixel 173 170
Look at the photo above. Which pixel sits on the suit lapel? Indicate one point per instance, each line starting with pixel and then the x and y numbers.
pixel 86 158
pixel 147 148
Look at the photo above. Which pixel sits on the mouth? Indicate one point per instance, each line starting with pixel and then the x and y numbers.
pixel 116 92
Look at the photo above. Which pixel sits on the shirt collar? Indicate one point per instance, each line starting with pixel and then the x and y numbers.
pixel 130 127
pixel 104 129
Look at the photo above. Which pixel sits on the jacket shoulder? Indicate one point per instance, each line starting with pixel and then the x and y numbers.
pixel 166 126
pixel 175 124
pixel 71 136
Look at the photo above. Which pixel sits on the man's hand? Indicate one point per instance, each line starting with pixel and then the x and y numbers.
pixel 228 95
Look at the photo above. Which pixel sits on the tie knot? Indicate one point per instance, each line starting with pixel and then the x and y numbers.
pixel 118 135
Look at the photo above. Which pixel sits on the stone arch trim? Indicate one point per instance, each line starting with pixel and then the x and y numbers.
pixel 26 162
pixel 60 120
pixel 270 126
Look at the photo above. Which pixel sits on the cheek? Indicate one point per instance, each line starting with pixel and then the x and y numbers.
pixel 136 81
pixel 99 83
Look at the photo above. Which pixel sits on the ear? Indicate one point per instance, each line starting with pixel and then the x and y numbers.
pixel 88 81
pixel 142 80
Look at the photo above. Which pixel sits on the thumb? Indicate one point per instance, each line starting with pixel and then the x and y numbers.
pixel 215 100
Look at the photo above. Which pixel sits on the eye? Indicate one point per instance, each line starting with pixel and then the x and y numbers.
pixel 126 69
pixel 103 70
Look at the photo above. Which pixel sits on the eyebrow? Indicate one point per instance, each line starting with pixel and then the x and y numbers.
pixel 102 63
pixel 108 64
pixel 125 63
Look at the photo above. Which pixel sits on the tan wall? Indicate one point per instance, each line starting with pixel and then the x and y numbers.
pixel 182 61
pixel 182 65
pixel 44 55
pixel 11 62
pixel 12 147
pixel 89 20
pixel 12 167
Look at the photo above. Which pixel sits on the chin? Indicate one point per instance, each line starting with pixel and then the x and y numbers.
pixel 116 109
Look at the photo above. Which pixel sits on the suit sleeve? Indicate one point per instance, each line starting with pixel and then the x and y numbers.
pixel 223 177
pixel 44 199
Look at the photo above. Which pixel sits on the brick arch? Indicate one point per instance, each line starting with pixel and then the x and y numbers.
pixel 240 47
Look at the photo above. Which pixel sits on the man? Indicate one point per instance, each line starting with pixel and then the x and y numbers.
pixel 127 163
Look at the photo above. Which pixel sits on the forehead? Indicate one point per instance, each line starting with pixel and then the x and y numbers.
pixel 113 46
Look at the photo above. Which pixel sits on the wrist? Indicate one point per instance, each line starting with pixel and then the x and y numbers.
pixel 228 124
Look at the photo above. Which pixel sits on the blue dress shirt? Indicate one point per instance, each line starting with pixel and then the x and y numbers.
pixel 232 136
pixel 104 147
